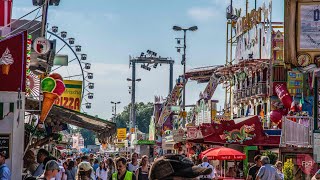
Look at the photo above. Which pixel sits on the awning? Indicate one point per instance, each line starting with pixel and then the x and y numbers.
pixel 104 129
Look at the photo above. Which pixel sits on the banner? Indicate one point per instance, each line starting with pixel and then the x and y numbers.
pixel 13 51
pixel 121 133
pixel 308 26
pixel 71 98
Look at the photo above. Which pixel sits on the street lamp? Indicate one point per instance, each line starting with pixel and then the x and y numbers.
pixel 115 108
pixel 139 79
pixel 178 28
pixel 133 99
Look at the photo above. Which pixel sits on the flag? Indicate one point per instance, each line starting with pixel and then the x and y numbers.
pixel 300 104
pixel 6 108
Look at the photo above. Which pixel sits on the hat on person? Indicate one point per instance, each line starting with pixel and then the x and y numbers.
pixel 176 166
pixel 52 165
pixel 84 166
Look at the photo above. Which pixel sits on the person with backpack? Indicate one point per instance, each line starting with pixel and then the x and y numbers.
pixel 205 164
pixel 142 172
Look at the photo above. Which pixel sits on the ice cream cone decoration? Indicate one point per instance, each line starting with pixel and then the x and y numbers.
pixel 5 61
pixel 52 88
pixel 5 69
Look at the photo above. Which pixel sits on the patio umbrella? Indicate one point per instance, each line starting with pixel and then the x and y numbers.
pixel 223 153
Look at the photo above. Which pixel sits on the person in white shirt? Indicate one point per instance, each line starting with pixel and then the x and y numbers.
pixel 101 172
pixel 133 165
pixel 205 164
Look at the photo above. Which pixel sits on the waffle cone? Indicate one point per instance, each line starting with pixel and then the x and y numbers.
pixel 5 69
pixel 48 100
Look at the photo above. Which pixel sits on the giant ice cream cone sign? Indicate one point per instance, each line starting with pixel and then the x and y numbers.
pixel 5 61
pixel 52 88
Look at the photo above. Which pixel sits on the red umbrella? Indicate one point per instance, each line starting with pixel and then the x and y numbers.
pixel 223 153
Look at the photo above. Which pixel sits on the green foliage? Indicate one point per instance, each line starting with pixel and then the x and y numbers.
pixel 143 116
pixel 288 170
pixel 272 156
pixel 88 136
pixel 34 131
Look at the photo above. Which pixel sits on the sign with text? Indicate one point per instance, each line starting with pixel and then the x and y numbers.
pixel 254 34
pixel 5 145
pixel 193 132
pixel 71 98
pixel 178 135
pixel 309 26
pixel 13 54
pixel 121 133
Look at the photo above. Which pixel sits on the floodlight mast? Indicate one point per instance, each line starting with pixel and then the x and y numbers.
pixel 150 58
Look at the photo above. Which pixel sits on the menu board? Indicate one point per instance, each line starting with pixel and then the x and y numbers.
pixel 5 144
pixel 316 145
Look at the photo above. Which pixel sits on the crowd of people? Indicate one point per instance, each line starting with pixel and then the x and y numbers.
pixel 104 167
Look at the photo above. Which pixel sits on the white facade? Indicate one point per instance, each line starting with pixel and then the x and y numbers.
pixel 13 125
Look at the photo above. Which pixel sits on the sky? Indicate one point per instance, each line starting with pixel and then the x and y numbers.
pixel 109 31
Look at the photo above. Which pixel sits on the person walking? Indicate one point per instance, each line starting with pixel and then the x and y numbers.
pixel 278 166
pixel 71 171
pixel 142 173
pixel 84 171
pixel 95 165
pixel 122 172
pixel 41 155
pixel 133 165
pixel 111 168
pixel 267 171
pixel 205 164
pixel 101 172
pixel 5 173
pixel 51 170
pixel 253 170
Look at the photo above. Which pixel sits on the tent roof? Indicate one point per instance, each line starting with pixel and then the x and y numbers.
pixel 103 128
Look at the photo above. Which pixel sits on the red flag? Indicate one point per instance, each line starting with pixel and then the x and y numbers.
pixel 5 12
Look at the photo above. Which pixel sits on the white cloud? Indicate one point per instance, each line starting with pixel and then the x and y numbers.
pixel 203 13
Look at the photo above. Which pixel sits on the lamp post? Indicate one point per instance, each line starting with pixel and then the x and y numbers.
pixel 115 108
pixel 133 97
pixel 183 62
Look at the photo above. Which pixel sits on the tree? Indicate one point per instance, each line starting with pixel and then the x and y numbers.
pixel 288 169
pixel 144 111
pixel 272 156
pixel 88 136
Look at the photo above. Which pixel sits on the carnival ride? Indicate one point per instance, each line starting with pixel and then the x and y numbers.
pixel 252 79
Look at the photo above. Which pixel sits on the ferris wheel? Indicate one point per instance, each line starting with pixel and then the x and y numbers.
pixel 74 66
